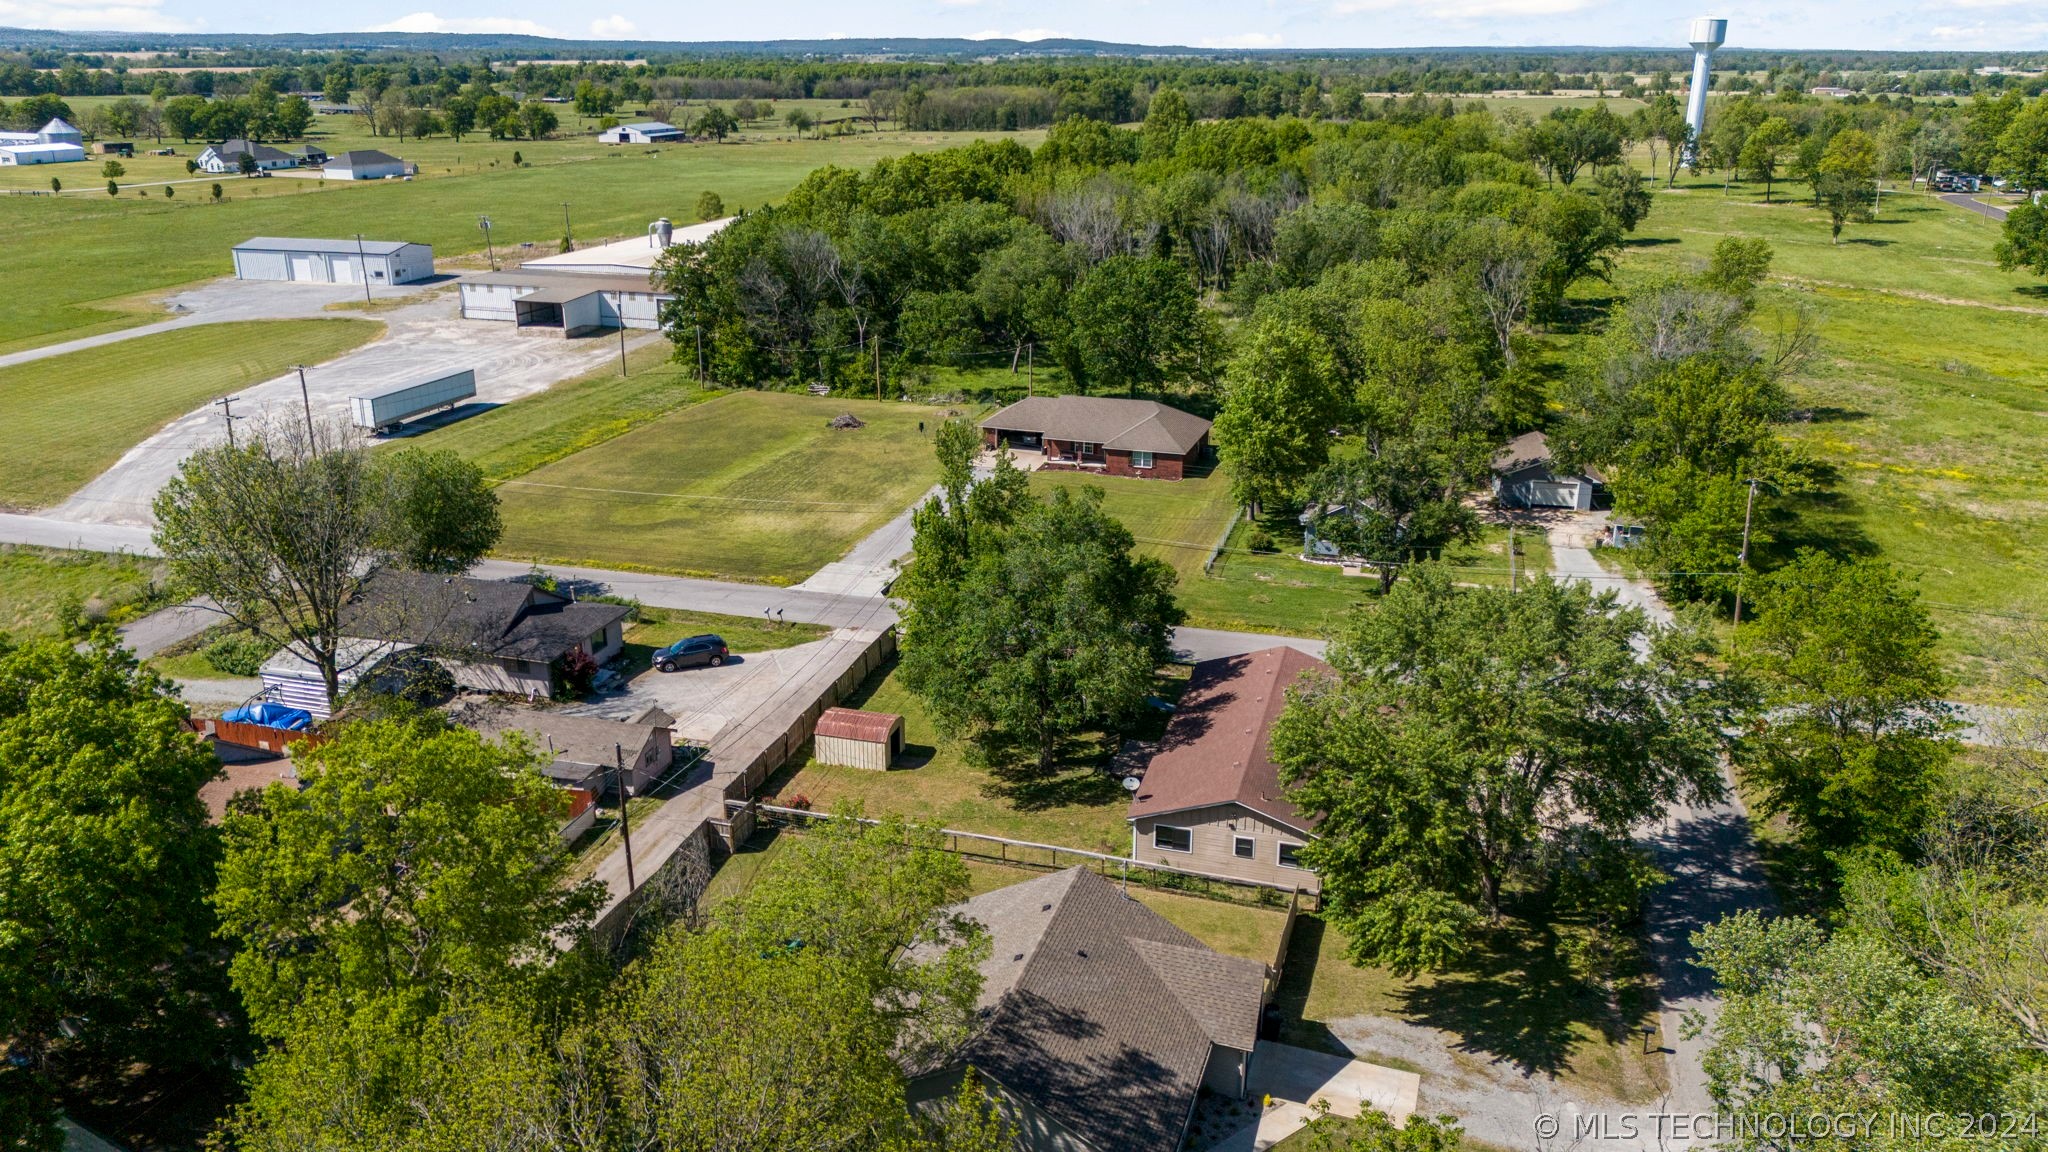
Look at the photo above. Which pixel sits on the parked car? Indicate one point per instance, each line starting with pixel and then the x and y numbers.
pixel 692 652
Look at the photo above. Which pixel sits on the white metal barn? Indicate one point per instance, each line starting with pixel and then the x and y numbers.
pixel 12 154
pixel 573 302
pixel 332 261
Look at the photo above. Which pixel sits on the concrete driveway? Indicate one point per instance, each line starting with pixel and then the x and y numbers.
pixel 422 339
pixel 707 701
pixel 1297 1079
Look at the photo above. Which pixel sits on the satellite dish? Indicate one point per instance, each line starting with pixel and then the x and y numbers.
pixel 1130 783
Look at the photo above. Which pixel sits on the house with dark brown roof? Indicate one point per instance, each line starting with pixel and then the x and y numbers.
pixel 1210 799
pixel 492 635
pixel 1102 434
pixel 1099 1022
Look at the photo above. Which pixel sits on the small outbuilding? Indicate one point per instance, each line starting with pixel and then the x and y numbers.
pixel 1525 476
pixel 365 164
pixel 332 261
pixel 114 148
pixel 855 739
pixel 645 132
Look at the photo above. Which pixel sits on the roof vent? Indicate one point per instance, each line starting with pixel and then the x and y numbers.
pixel 1018 956
pixel 1081 952
pixel 1047 908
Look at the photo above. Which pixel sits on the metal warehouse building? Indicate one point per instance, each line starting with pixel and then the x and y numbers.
pixel 333 261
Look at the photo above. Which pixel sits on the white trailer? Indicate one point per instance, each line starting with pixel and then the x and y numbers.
pixel 383 411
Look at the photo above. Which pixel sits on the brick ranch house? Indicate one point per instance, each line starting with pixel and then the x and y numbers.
pixel 1210 797
pixel 1100 434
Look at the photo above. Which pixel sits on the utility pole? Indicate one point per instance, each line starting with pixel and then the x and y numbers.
pixel 1511 557
pixel 1030 372
pixel 700 353
pixel 363 267
pixel 306 399
pixel 625 826
pixel 622 348
pixel 484 222
pixel 227 415
pixel 878 368
pixel 1742 560
pixel 567 237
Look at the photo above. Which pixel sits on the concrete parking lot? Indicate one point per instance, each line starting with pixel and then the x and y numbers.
pixel 423 339
pixel 709 701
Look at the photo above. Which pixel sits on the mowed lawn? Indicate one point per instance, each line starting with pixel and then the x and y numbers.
pixel 38 586
pixel 749 486
pixel 69 417
pixel 87 256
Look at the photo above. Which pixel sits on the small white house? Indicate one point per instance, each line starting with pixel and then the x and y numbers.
pixel 1524 477
pixel 225 158
pixel 645 132
pixel 332 261
pixel 24 154
pixel 366 164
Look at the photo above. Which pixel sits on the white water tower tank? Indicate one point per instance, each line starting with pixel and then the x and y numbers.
pixel 662 231
pixel 1708 34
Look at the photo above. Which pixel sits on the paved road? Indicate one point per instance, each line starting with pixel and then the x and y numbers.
pixel 1965 200
pixel 159 630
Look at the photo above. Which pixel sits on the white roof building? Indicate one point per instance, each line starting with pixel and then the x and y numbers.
pixel 40 153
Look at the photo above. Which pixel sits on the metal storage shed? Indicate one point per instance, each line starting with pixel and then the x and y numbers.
pixel 858 739
pixel 332 261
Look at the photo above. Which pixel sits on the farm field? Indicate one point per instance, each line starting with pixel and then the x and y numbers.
pixel 749 486
pixel 1926 397
pixel 70 417
pixel 91 254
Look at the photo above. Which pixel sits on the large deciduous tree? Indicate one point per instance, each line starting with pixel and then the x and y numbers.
pixel 1049 623
pixel 1134 320
pixel 1465 729
pixel 105 862
pixel 446 512
pixel 1282 404
pixel 1856 737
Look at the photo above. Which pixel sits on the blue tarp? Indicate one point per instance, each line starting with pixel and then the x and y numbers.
pixel 272 716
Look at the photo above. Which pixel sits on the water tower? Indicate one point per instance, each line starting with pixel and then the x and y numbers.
pixel 1708 34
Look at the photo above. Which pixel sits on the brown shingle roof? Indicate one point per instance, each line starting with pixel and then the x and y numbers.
pixel 458 615
pixel 1127 425
pixel 1216 747
pixel 852 724
pixel 1100 1012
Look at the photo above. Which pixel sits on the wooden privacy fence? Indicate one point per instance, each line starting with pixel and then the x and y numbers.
pixel 1053 857
pixel 261 737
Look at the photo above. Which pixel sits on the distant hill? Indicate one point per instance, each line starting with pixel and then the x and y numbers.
pixel 542 46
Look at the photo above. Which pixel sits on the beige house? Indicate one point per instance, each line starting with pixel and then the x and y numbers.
pixel 586 751
pixel 1210 799
pixel 1099 1022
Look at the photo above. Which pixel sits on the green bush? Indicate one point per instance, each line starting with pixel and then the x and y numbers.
pixel 238 655
pixel 1260 540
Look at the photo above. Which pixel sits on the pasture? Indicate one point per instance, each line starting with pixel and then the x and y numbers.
pixel 70 417
pixel 749 486
pixel 92 255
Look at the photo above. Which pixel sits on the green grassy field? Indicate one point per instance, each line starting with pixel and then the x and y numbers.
pixel 1079 806
pixel 69 417
pixel 516 438
pixel 89 254
pixel 749 486
pixel 39 585
pixel 1927 395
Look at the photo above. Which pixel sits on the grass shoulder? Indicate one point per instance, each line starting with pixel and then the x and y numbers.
pixel 42 589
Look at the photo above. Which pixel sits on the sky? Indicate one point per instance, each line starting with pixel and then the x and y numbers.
pixel 1885 24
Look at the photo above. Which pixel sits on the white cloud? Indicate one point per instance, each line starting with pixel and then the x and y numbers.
pixel 497 25
pixel 1020 34
pixel 1457 11
pixel 1242 40
pixel 82 15
pixel 613 27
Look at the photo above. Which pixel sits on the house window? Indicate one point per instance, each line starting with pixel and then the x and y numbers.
pixel 597 640
pixel 1289 855
pixel 1141 459
pixel 1173 839
pixel 1086 449
pixel 1244 847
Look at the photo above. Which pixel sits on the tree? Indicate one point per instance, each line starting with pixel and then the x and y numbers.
pixel 537 119
pixel 2024 243
pixel 446 511
pixel 1166 117
pixel 1857 736
pixel 1134 320
pixel 2023 147
pixel 285 529
pixel 1764 148
pixel 1738 266
pixel 716 123
pixel 184 116
pixel 56 185
pixel 105 862
pixel 1847 181
pixel 1466 728
pixel 1583 237
pixel 113 170
pixel 1390 507
pixel 293 117
pixel 416 864
pixel 800 120
pixel 1570 139
pixel 216 192
pixel 113 189
pixel 710 206
pixel 1619 188
pixel 245 162
pixel 1506 264
pixel 1282 400
pixel 1817 1026
pixel 1053 625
